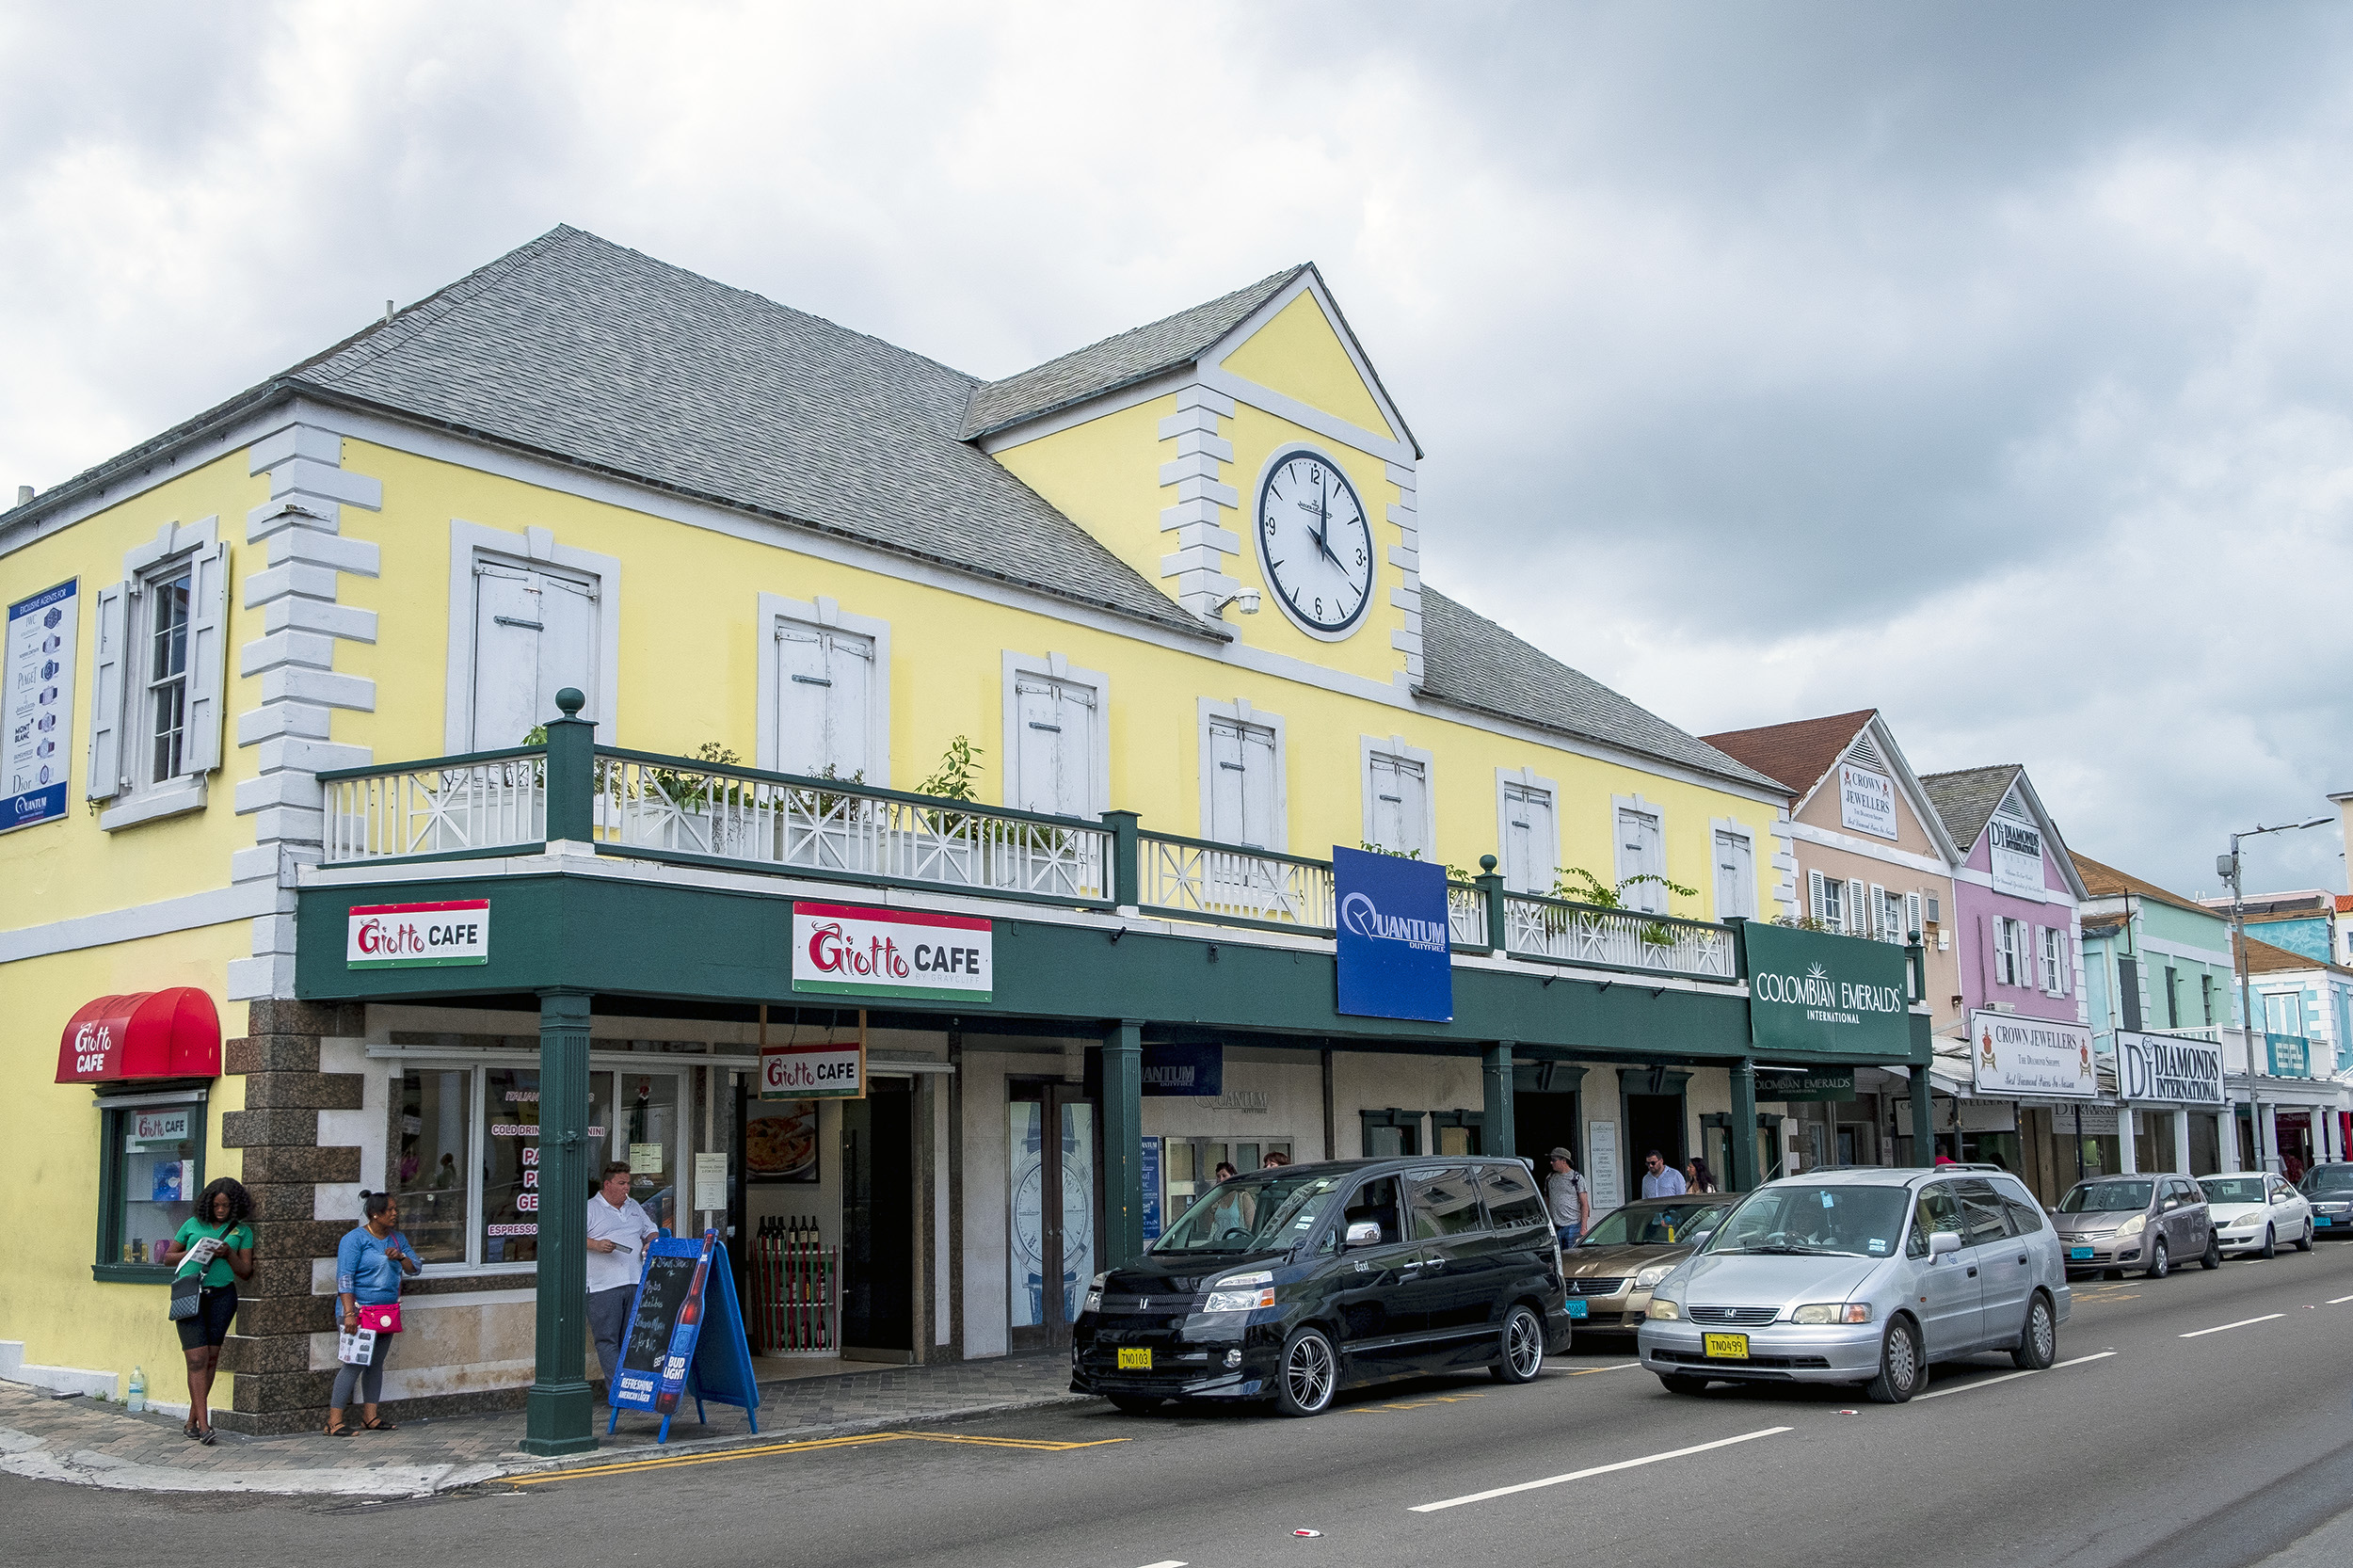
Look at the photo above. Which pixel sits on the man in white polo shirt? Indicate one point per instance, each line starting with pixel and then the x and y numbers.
pixel 618 1233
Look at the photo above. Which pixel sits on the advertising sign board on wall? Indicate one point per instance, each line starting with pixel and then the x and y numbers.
pixel 1178 1068
pixel 37 675
pixel 2160 1067
pixel 852 949
pixel 1394 943
pixel 1814 994
pixel 2015 1055
pixel 1799 1084
pixel 418 936
pixel 1867 801
pixel 2291 1055
pixel 2017 850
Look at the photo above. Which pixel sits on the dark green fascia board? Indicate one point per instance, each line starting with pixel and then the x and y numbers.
pixel 705 945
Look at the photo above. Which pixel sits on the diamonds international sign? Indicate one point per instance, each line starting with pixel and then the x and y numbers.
pixel 1823 997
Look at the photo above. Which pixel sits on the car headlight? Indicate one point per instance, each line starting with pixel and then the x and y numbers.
pixel 1095 1293
pixel 1833 1312
pixel 2134 1225
pixel 1652 1275
pixel 1665 1310
pixel 1241 1292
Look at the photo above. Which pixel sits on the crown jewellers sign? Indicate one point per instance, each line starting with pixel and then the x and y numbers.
pixel 2012 1054
pixel 2159 1067
pixel 1813 994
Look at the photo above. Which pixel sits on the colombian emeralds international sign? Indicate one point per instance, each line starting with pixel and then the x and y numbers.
pixel 1816 995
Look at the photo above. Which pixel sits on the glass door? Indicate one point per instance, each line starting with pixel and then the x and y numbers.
pixel 1051 1163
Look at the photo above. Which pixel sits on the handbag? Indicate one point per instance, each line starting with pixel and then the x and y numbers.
pixel 188 1286
pixel 380 1319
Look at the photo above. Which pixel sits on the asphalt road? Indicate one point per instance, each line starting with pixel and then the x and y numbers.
pixel 2204 1421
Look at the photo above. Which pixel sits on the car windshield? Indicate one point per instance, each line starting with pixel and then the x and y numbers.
pixel 2107 1198
pixel 2234 1189
pixel 1254 1213
pixel 2329 1179
pixel 1808 1217
pixel 1651 1225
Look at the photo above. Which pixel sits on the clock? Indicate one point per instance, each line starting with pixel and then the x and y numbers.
pixel 1315 544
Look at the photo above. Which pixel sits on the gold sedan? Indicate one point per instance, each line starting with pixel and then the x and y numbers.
pixel 1612 1267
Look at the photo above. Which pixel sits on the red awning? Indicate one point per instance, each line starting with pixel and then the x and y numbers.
pixel 173 1033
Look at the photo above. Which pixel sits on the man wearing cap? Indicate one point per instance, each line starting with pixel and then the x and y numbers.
pixel 1572 1206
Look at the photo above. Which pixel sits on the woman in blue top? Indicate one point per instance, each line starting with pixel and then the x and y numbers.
pixel 369 1264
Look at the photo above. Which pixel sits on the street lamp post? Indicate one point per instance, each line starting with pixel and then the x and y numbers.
pixel 2228 865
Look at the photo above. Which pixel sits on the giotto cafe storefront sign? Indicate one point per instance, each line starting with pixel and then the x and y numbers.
pixel 852 949
pixel 1812 994
pixel 2158 1067
pixel 2037 1057
pixel 418 936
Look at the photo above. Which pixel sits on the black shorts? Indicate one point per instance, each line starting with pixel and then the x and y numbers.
pixel 210 1325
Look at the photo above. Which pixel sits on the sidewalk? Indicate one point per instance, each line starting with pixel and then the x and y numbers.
pixel 93 1444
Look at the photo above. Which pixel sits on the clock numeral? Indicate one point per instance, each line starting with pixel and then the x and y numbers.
pixel 1270 528
pixel 1319 607
pixel 1360 555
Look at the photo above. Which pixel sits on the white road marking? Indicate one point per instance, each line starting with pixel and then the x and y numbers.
pixel 1588 1371
pixel 1598 1470
pixel 2012 1377
pixel 2241 1323
pixel 1171 1562
pixel 2340 1301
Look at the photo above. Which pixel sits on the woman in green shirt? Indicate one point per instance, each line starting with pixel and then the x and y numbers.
pixel 221 1218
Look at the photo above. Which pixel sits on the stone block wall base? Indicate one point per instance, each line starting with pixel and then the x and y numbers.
pixel 435 1407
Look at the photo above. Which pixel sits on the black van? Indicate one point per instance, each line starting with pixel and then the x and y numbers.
pixel 1287 1284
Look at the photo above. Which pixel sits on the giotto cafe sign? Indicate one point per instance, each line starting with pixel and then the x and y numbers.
pixel 2015 1055
pixel 418 936
pixel 2159 1067
pixel 1812 993
pixel 852 949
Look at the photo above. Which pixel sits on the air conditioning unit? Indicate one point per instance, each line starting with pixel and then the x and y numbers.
pixel 2001 1007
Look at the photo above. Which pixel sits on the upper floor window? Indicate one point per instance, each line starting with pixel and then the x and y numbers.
pixel 1241 783
pixel 527 617
pixel 1056 737
pixel 1736 875
pixel 1531 843
pixel 160 677
pixel 2283 1013
pixel 2010 959
pixel 2057 967
pixel 1397 804
pixel 823 679
pixel 1833 901
pixel 1642 860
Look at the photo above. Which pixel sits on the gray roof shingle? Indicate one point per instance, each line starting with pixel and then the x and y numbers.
pixel 1136 355
pixel 1470 662
pixel 1968 798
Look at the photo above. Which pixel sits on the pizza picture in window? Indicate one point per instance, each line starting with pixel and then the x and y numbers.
pixel 780 1140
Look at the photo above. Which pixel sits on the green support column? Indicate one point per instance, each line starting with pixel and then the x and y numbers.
pixel 1499 927
pixel 1495 1134
pixel 1923 1119
pixel 1125 870
pixel 1123 1142
pixel 560 1416
pixel 1743 1131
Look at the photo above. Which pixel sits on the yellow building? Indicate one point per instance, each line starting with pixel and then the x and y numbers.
pixel 1162 596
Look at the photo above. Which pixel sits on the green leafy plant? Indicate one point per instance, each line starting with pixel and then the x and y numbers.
pixel 953 780
pixel 1453 873
pixel 694 791
pixel 1579 886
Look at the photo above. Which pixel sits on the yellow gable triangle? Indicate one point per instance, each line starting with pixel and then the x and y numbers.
pixel 1298 355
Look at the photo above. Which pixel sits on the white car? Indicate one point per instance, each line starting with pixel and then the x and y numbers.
pixel 2256 1210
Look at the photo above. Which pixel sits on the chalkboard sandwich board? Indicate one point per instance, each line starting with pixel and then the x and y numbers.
pixel 684 1286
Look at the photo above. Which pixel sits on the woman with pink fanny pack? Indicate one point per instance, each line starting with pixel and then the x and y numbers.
pixel 369 1265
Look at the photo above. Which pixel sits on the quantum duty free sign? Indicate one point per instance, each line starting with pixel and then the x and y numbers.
pixel 1394 957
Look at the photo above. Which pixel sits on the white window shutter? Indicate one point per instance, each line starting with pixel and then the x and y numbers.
pixel 1879 913
pixel 208 663
pixel 1413 781
pixel 1859 920
pixel 1035 770
pixel 1814 894
pixel 1912 916
pixel 105 719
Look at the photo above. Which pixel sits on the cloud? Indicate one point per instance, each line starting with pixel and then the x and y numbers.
pixel 1985 364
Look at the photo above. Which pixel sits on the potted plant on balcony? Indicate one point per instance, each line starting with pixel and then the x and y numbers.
pixel 1579 886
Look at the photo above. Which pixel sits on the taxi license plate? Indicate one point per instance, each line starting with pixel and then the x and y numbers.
pixel 2078 1253
pixel 1727 1347
pixel 1577 1308
pixel 2323 1219
pixel 1135 1361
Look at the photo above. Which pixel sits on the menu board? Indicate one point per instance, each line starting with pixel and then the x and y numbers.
pixel 669 1280
pixel 37 705
pixel 685 1289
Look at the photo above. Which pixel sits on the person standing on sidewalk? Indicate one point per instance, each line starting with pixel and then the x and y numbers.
pixel 618 1233
pixel 1661 1179
pixel 221 1218
pixel 1572 1205
pixel 369 1265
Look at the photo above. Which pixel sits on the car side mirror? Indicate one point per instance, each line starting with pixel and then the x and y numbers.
pixel 1944 1241
pixel 2280 1196
pixel 1364 1233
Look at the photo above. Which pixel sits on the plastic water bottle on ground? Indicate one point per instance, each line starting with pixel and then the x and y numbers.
pixel 139 1388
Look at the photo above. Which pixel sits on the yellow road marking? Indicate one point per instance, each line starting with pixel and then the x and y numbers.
pixel 814 1445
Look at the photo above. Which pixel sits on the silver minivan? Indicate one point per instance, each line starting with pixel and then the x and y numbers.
pixel 1862 1276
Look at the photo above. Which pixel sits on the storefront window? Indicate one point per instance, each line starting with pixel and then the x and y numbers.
pixel 646 1133
pixel 431 1184
pixel 510 1165
pixel 155 1169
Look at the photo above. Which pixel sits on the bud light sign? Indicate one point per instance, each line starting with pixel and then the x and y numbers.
pixel 1394 959
pixel 418 936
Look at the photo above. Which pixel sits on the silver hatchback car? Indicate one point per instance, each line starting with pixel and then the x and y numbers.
pixel 1862 1276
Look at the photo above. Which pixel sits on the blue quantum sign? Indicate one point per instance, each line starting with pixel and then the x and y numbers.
pixel 1183 1069
pixel 1150 1166
pixel 1393 936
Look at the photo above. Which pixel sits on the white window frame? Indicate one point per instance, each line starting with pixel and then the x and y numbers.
pixel 1819 892
pixel 775 610
pixel 1369 747
pixel 533 547
pixel 1053 666
pixel 2296 997
pixel 1529 778
pixel 1240 712
pixel 118 757
pixel 1731 828
pixel 1619 805
pixel 2012 965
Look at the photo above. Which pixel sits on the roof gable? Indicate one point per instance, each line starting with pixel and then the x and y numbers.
pixel 1800 753
pixel 1969 799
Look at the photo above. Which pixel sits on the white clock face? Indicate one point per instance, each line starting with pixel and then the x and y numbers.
pixel 1315 544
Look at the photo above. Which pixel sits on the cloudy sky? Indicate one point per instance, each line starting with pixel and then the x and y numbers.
pixel 1988 364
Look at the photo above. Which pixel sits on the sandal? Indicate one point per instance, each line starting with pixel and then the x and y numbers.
pixel 205 1437
pixel 379 1424
pixel 187 1429
pixel 337 1429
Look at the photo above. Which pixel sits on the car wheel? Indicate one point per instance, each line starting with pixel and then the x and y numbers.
pixel 1309 1374
pixel 1678 1383
pixel 2214 1250
pixel 2271 1245
pixel 1900 1372
pixel 1523 1351
pixel 2037 1342
pixel 2160 1262
pixel 2304 1242
pixel 1135 1405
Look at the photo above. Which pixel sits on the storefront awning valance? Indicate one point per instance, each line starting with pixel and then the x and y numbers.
pixel 167 1033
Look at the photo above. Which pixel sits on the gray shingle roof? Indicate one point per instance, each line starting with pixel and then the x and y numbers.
pixel 1470 662
pixel 1136 355
pixel 1967 799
